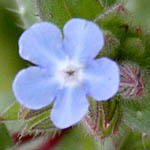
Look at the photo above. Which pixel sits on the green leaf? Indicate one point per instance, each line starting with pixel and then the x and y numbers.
pixel 6 100
pixel 38 121
pixel 137 10
pixel 9 33
pixel 59 11
pixel 134 140
pixel 32 123
pixel 5 140
pixel 13 15
pixel 14 126
pixel 136 114
pixel 27 13
pixel 11 113
pixel 8 107
pixel 76 139
pixel 24 10
pixel 28 113
pixel 107 3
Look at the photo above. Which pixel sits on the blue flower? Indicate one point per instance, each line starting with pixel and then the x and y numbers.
pixel 66 71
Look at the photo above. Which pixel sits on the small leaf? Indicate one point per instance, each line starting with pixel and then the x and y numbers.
pixel 8 107
pixel 11 112
pixel 27 114
pixel 38 121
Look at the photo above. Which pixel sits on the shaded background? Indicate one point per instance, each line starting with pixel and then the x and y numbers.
pixel 11 26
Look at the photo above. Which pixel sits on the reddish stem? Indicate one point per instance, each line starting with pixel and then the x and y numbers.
pixel 47 145
pixel 51 142
pixel 16 138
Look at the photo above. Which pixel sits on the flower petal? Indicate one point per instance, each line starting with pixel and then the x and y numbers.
pixel 35 87
pixel 42 44
pixel 82 39
pixel 69 107
pixel 102 78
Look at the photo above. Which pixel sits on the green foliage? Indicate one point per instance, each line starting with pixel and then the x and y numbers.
pixel 131 42
pixel 137 10
pixel 6 99
pixel 103 118
pixel 60 11
pixel 38 121
pixel 136 111
pixel 77 138
pixel 136 115
pixel 11 113
pixel 9 33
pixel 5 140
pixel 27 13
pixel 135 140
pixel 127 38
pixel 107 3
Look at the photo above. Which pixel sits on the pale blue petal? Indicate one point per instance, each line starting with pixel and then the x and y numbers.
pixel 42 44
pixel 69 107
pixel 102 78
pixel 35 87
pixel 82 39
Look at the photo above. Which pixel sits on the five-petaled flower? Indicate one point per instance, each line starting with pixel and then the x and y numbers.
pixel 65 70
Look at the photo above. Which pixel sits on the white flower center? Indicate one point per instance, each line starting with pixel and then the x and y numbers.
pixel 69 74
